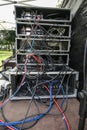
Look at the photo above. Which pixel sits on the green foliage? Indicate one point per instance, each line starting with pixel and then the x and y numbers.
pixel 7 37
pixel 10 36
pixel 4 55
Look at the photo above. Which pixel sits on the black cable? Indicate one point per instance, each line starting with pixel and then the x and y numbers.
pixel 67 83
pixel 21 128
pixel 50 114
pixel 34 90
pixel 43 101
pixel 5 118
pixel 49 57
pixel 25 128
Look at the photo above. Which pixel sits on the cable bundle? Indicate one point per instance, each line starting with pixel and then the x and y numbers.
pixel 42 57
pixel 37 117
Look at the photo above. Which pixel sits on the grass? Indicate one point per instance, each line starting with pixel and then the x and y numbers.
pixel 4 55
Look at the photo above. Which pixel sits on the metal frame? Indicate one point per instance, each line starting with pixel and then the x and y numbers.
pixel 20 26
pixel 62 55
pixel 61 35
pixel 62 41
pixel 69 72
pixel 64 13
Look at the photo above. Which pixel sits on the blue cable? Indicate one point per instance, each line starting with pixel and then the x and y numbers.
pixel 30 119
pixel 63 92
pixel 14 128
pixel 33 42
pixel 6 103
